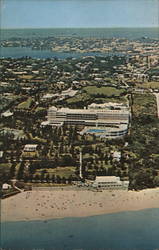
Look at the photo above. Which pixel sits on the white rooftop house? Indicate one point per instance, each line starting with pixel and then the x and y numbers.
pixel 49 96
pixel 6 186
pixel 69 92
pixel 30 147
pixel 110 182
pixel 7 114
pixel 117 155
pixel 45 123
pixel 1 154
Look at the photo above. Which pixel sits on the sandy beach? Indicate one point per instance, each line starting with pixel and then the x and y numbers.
pixel 43 205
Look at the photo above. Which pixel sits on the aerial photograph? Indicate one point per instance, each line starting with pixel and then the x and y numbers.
pixel 79 124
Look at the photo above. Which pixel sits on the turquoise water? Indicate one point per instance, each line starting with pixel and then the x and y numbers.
pixel 96 131
pixel 137 230
pixel 131 33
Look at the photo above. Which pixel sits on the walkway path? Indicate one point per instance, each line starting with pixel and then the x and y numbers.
pixel 157 99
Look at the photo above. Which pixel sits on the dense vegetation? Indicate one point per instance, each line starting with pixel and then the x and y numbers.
pixel 144 143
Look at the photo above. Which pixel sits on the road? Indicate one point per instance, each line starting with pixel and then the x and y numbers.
pixel 157 99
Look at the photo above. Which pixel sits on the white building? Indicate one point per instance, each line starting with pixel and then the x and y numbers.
pixel 109 120
pixel 6 186
pixel 89 117
pixel 49 96
pixel 1 154
pixel 30 147
pixel 110 182
pixel 7 114
pixel 116 155
pixel 69 92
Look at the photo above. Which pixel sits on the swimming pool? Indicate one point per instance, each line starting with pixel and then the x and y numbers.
pixel 96 130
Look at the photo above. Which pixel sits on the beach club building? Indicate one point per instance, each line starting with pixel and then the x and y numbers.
pixel 110 182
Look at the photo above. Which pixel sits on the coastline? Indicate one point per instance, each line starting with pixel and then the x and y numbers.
pixel 54 204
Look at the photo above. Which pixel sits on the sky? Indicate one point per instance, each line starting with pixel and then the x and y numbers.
pixel 79 13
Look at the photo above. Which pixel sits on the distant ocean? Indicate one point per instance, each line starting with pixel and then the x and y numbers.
pixel 17 52
pixel 131 33
pixel 137 230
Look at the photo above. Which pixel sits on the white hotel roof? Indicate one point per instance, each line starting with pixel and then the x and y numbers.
pixel 88 111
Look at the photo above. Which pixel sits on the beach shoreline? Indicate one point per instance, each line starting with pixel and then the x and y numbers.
pixel 55 204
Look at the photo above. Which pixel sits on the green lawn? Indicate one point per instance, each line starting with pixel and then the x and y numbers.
pixel 38 109
pixel 97 94
pixel 5 165
pixel 78 98
pixel 26 104
pixel 45 185
pixel 27 77
pixel 30 154
pixel 148 85
pixel 144 104
pixel 61 171
pixel 106 91
pixel 4 168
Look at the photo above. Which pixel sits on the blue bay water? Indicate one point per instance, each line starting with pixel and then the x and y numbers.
pixel 137 230
pixel 18 52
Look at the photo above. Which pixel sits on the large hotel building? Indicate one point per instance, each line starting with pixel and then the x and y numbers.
pixel 111 116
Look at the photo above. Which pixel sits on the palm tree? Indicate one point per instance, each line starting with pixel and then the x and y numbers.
pixel 12 170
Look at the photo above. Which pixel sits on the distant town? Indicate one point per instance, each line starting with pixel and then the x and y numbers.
pixel 74 43
pixel 90 121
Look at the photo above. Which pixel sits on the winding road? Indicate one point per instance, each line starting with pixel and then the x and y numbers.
pixel 157 99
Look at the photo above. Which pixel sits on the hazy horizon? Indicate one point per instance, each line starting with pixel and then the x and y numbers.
pixel 16 14
pixel 17 28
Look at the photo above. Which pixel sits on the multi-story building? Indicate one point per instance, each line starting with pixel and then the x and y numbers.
pixel 104 120
pixel 88 117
